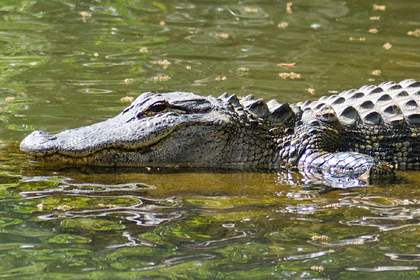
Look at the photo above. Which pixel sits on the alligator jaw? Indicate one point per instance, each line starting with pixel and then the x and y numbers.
pixel 117 133
pixel 173 146
pixel 45 147
pixel 171 129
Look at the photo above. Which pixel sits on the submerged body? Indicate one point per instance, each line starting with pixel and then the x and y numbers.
pixel 370 131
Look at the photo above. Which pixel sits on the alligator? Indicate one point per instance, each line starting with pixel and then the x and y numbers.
pixel 361 133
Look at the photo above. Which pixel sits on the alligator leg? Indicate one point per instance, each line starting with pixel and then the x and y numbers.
pixel 345 164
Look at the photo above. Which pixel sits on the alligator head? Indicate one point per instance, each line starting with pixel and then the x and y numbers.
pixel 170 129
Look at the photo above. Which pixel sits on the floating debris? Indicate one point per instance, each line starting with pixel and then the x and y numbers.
pixel 287 64
pixel 282 25
pixel 318 268
pixel 161 78
pixel 379 7
pixel 127 99
pixel 165 63
pixel 85 15
pixel 387 46
pixel 251 10
pixel 291 75
pixel 311 90
pixel 332 205
pixel 320 237
pixel 222 35
pixel 357 39
pixel 107 205
pixel 40 206
pixel 373 30
pixel 376 72
pixel 415 33
pixel 63 208
pixel 289 7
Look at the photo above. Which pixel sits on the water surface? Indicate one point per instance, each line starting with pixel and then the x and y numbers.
pixel 64 64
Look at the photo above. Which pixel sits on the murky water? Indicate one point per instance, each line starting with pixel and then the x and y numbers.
pixel 65 64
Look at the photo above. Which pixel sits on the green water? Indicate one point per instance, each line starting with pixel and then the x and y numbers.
pixel 67 63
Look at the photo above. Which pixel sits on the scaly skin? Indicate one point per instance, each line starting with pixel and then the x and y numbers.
pixel 366 132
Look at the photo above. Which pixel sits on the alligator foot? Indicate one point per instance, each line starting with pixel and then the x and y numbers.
pixel 346 167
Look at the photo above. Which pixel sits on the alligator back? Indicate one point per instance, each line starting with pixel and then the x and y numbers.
pixel 364 132
pixel 382 121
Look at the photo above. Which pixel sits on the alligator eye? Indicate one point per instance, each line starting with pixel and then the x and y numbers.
pixel 153 110
pixel 157 107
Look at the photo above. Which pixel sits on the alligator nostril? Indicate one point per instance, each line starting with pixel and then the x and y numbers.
pixel 45 135
pixel 36 141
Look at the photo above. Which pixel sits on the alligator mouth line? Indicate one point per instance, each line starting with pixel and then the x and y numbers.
pixel 116 156
pixel 99 157
pixel 102 156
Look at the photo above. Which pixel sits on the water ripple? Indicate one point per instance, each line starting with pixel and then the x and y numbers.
pixel 383 268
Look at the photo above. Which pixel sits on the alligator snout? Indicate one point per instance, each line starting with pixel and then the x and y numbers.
pixel 39 142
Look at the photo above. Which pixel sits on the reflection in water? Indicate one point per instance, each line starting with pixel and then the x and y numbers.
pixel 132 206
pixel 214 220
